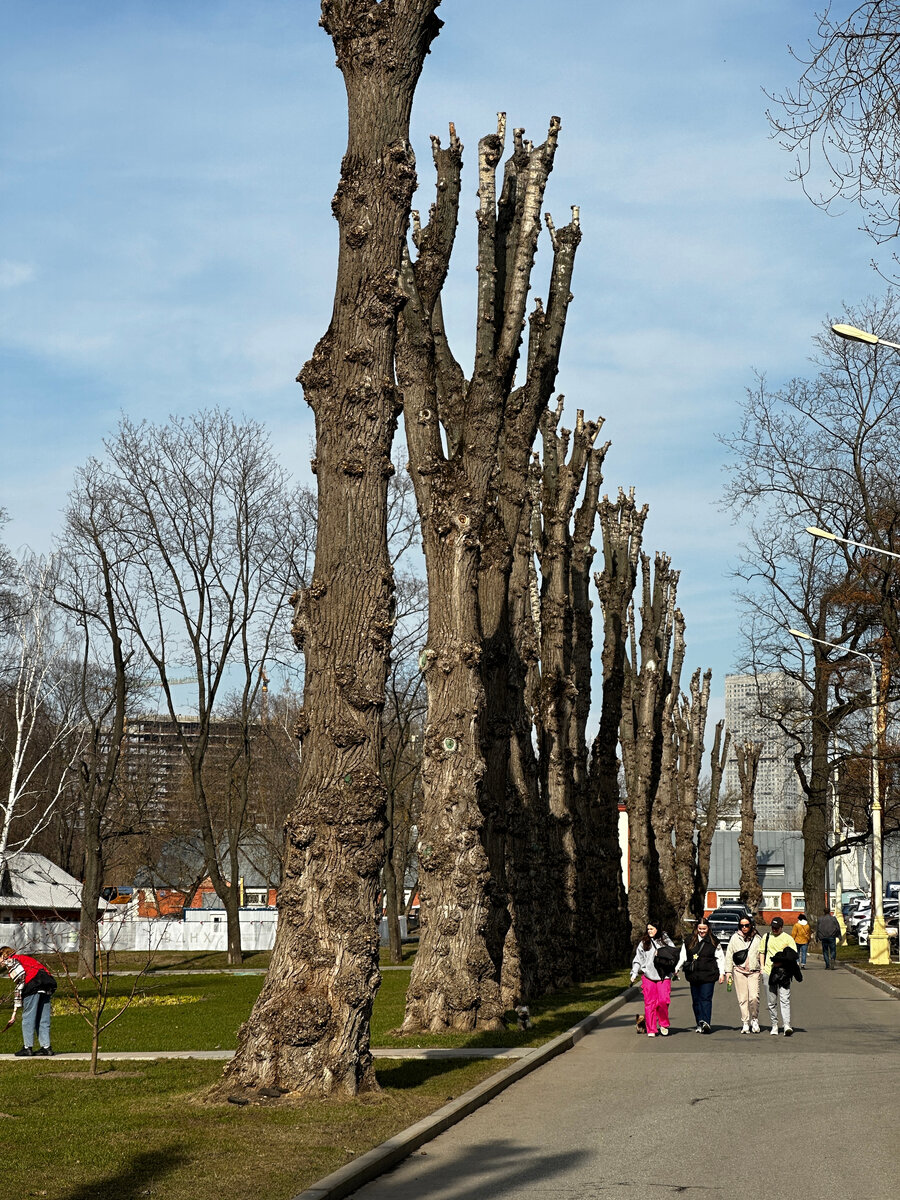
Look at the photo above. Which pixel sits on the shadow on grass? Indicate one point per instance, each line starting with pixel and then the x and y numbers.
pixel 412 1073
pixel 551 1015
pixel 136 1177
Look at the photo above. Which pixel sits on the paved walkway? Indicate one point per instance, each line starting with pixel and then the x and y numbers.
pixel 813 1117
pixel 150 1055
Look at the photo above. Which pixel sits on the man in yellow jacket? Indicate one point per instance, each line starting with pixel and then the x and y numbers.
pixel 772 942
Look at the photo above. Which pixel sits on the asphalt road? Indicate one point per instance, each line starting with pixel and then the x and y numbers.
pixel 813 1117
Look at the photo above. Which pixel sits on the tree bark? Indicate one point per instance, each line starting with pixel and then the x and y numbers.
pixel 556 714
pixel 748 756
pixel 309 1029
pixel 705 834
pixel 455 978
pixel 622 525
pixel 642 734
pixel 691 729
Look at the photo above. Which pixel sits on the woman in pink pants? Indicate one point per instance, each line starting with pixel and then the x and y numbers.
pixel 656 983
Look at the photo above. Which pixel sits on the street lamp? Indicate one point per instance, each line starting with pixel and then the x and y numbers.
pixel 851 334
pixel 878 941
pixel 836 537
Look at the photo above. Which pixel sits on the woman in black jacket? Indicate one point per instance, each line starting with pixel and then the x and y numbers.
pixel 703 963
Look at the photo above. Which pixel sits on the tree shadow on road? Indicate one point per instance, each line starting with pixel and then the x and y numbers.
pixel 487 1170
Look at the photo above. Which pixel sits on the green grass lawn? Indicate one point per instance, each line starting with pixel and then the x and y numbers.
pixel 65 1136
pixel 138 1129
pixel 204 1012
pixel 200 960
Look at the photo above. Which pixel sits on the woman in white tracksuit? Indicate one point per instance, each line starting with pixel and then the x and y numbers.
pixel 742 966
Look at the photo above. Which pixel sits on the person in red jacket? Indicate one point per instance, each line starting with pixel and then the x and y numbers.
pixel 34 987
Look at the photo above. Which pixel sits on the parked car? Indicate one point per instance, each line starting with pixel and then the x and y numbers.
pixel 724 922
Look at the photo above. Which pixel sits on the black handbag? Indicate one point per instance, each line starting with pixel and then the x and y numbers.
pixel 740 957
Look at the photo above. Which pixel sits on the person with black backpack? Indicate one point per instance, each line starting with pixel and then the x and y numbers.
pixel 34 988
pixel 703 961
pixel 655 957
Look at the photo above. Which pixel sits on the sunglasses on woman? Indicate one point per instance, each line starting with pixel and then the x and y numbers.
pixel 745 925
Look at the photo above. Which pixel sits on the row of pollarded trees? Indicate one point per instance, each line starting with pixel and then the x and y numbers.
pixel 520 870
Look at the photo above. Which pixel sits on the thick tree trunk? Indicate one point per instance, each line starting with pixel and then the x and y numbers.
pixel 667 799
pixel 748 756
pixel 455 979
pixel 309 1029
pixel 705 834
pixel 621 525
pixel 642 735
pixel 691 729
pixel 556 715
pixel 816 825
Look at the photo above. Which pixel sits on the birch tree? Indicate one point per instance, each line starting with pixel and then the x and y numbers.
pixel 40 731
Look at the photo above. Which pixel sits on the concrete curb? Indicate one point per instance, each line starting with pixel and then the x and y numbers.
pixel 873 979
pixel 369 1166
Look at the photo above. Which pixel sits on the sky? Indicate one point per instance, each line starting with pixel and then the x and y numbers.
pixel 166 240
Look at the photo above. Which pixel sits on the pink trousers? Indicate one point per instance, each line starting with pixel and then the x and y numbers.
pixel 656 1002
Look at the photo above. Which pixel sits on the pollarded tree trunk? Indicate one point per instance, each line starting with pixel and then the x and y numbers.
pixel 667 798
pixel 621 525
pixel 455 981
pixel 642 734
pixel 691 728
pixel 748 755
pixel 718 758
pixel 526 947
pixel 309 1029
pixel 507 797
pixel 561 483
pixel 591 933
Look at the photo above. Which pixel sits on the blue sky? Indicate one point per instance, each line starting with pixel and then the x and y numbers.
pixel 166 240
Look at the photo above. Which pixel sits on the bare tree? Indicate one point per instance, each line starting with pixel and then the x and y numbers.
pixel 207 548
pixel 821 452
pixel 843 114
pixel 85 588
pixel 40 732
pixel 309 1029
pixel 748 755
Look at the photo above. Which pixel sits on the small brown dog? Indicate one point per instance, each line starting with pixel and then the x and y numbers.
pixel 640 1023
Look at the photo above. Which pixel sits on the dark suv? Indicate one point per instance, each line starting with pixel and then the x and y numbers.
pixel 724 922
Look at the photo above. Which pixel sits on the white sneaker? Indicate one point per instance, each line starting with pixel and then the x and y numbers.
pixel 664 1030
pixel 698 1030
pixel 774 1031
pixel 754 1027
pixel 788 1031
pixel 651 1035
pixel 745 1028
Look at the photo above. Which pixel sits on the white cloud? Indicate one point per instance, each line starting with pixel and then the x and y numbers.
pixel 14 274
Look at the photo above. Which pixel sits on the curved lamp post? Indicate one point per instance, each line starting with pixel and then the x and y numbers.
pixel 879 951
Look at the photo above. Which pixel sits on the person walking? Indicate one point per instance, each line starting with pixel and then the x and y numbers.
pixel 827 933
pixel 742 967
pixel 778 989
pixel 703 961
pixel 656 983
pixel 34 987
pixel 802 933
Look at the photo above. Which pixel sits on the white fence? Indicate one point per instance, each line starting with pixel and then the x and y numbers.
pixel 201 929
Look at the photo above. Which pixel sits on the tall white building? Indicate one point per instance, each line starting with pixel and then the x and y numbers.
pixel 778 797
